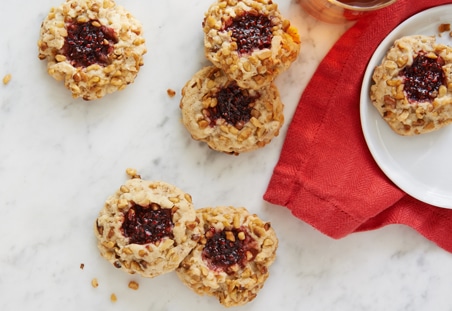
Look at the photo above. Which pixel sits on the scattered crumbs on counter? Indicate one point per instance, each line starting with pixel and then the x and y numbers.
pixel 94 283
pixel 171 92
pixel 6 79
pixel 82 266
pixel 444 27
pixel 113 297
pixel 134 285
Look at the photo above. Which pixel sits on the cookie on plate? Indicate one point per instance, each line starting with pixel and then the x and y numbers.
pixel 147 227
pixel 95 46
pixel 232 258
pixel 227 117
pixel 412 87
pixel 250 40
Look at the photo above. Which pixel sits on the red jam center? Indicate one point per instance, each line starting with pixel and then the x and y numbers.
pixel 150 224
pixel 423 78
pixel 87 44
pixel 222 251
pixel 251 31
pixel 234 105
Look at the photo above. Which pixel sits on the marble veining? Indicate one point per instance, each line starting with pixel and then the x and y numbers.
pixel 60 158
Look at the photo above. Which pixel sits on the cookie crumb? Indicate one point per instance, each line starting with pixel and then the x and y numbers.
pixel 444 27
pixel 171 93
pixel 82 266
pixel 134 285
pixel 6 79
pixel 113 297
pixel 94 283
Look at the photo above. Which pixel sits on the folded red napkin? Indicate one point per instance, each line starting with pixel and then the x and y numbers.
pixel 326 175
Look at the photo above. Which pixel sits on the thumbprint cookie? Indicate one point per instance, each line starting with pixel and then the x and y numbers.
pixel 95 46
pixel 412 87
pixel 250 40
pixel 147 227
pixel 232 259
pixel 229 118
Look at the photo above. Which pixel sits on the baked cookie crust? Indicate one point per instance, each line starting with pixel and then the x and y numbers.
pixel 120 46
pixel 412 87
pixel 213 111
pixel 250 40
pixel 236 272
pixel 151 245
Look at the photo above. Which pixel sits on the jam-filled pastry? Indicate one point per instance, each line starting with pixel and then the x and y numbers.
pixel 147 227
pixel 412 87
pixel 227 117
pixel 95 46
pixel 250 40
pixel 232 258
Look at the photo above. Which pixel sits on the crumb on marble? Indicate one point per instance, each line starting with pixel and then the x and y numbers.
pixel 94 283
pixel 113 297
pixel 6 79
pixel 82 266
pixel 134 285
pixel 171 93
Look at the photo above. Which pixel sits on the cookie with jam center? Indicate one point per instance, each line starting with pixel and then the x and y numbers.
pixel 147 227
pixel 229 118
pixel 232 258
pixel 412 87
pixel 250 40
pixel 95 46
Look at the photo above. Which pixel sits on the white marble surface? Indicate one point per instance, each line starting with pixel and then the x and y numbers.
pixel 60 158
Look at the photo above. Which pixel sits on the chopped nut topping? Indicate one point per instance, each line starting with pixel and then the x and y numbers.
pixel 230 236
pixel 132 173
pixel 241 236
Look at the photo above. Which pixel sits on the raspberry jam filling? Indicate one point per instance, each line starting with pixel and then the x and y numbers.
pixel 147 224
pixel 88 43
pixel 423 78
pixel 228 248
pixel 251 31
pixel 234 105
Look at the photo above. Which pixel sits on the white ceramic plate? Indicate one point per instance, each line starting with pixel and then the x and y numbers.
pixel 420 165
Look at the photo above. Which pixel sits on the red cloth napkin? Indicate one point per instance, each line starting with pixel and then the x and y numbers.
pixel 326 175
